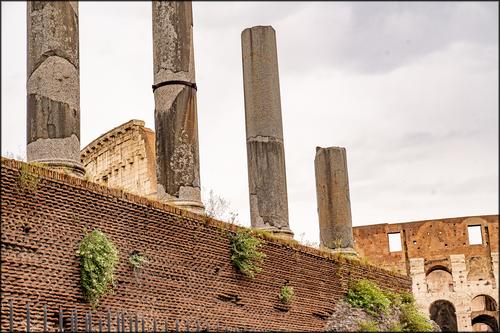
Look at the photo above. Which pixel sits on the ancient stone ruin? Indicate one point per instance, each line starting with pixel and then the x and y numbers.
pixel 453 264
pixel 264 131
pixel 334 203
pixel 176 123
pixel 123 158
pixel 53 85
pixel 454 281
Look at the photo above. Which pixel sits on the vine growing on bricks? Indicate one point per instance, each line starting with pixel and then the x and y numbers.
pixel 98 260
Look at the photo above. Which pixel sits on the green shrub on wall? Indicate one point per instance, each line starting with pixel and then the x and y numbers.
pixel 137 261
pixel 399 308
pixel 368 326
pixel 368 296
pixel 98 260
pixel 412 320
pixel 286 294
pixel 245 254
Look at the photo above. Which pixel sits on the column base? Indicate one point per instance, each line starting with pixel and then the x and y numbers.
pixel 192 206
pixel 342 250
pixel 283 232
pixel 66 166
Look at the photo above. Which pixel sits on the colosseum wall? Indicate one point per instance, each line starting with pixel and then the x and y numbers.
pixel 453 264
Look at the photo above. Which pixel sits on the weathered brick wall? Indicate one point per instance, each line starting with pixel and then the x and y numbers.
pixel 189 275
pixel 434 240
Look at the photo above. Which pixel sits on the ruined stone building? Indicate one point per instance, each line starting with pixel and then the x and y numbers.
pixel 454 281
pixel 110 181
pixel 124 158
pixel 453 264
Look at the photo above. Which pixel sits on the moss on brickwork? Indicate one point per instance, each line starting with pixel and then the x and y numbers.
pixel 368 296
pixel 27 179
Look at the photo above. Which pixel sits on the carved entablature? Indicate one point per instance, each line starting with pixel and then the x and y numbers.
pixel 123 157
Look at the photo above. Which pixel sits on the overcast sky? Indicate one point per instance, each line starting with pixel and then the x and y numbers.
pixel 410 89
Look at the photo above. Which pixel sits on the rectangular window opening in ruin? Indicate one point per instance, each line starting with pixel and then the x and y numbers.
pixel 474 233
pixel 394 241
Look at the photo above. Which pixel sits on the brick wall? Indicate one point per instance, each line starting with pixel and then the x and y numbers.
pixel 189 275
pixel 434 240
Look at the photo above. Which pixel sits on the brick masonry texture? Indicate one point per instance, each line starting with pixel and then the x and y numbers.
pixel 189 274
pixel 434 240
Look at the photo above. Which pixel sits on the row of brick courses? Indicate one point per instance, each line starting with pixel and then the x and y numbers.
pixel 434 240
pixel 189 274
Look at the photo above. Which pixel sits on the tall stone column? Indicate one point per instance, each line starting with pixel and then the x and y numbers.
pixel 264 131
pixel 53 85
pixel 176 124
pixel 334 204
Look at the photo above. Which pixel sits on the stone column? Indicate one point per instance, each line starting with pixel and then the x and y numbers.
pixel 264 131
pixel 417 274
pixel 419 285
pixel 176 124
pixel 459 271
pixel 334 205
pixel 53 85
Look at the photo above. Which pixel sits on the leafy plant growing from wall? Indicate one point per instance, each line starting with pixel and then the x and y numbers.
pixel 98 260
pixel 245 254
pixel 286 294
pixel 398 310
pixel 368 296
pixel 411 319
pixel 137 260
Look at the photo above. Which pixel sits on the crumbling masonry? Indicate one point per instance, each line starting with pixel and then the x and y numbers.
pixel 176 123
pixel 455 277
pixel 53 85
pixel 334 203
pixel 454 281
pixel 264 131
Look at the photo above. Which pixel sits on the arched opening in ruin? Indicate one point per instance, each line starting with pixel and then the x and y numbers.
pixel 443 313
pixel 437 267
pixel 484 323
pixel 483 303
pixel 439 279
